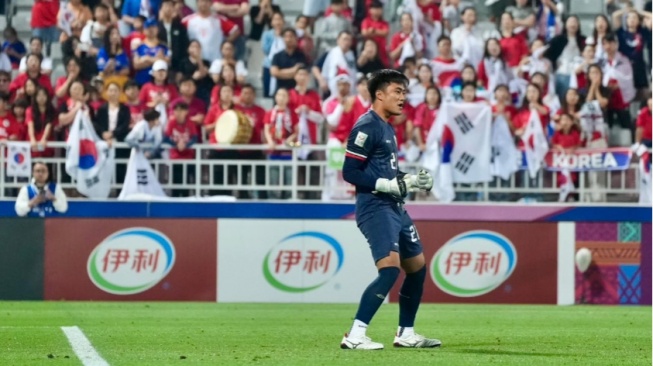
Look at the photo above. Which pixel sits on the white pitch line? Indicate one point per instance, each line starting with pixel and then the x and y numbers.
pixel 83 347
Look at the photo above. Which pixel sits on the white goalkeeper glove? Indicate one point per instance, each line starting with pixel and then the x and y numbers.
pixel 393 186
pixel 424 180
pixel 421 181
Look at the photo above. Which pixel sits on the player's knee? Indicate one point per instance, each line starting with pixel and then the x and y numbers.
pixel 418 275
pixel 389 274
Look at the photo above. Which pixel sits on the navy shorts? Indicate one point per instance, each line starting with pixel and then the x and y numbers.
pixel 390 229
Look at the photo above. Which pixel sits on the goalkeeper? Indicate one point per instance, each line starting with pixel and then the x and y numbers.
pixel 371 165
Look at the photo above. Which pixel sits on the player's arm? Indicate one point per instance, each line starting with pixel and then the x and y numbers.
pixel 360 145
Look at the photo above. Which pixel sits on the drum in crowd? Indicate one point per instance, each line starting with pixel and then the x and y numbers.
pixel 233 127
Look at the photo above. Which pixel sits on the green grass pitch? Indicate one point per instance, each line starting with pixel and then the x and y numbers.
pixel 280 334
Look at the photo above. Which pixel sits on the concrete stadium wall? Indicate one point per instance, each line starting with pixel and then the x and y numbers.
pixel 287 252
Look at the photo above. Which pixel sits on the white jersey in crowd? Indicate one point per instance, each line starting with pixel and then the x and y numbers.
pixel 210 31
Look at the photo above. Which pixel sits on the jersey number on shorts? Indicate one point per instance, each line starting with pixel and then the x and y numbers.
pixel 393 162
pixel 414 235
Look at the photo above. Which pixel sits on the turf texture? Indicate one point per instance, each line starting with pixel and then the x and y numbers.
pixel 308 334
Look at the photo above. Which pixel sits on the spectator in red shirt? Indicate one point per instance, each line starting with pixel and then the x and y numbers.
pixel 493 69
pixel 5 80
pixel 532 102
pixel 196 106
pixel 227 76
pixel 18 111
pixel 16 88
pixel 44 21
pixel 567 139
pixel 181 133
pixel 79 100
pixel 61 86
pixel 9 129
pixel 369 59
pixel 256 116
pixel 136 37
pixel 305 42
pixel 407 42
pixel 377 29
pixel 514 46
pixel 158 92
pixel 644 128
pixel 235 11
pixel 583 65
pixel 136 109
pixel 307 105
pixel 503 105
pixel 223 104
pixel 41 118
pixel 210 29
pixel 571 105
pixel 425 116
pixel 281 129
pixel 445 67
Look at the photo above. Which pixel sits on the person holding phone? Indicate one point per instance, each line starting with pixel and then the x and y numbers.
pixel 42 197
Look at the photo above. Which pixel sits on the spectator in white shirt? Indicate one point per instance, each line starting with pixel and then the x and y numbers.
pixel 210 30
pixel 41 197
pixel 466 40
pixel 228 51
pixel 36 46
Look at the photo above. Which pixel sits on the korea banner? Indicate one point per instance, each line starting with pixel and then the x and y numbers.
pixel 535 144
pixel 19 160
pixel 89 160
pixel 140 178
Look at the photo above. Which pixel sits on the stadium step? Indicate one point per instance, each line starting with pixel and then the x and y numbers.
pixel 586 7
pixel 21 22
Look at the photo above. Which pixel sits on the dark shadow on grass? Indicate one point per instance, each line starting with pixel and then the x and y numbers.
pixel 504 352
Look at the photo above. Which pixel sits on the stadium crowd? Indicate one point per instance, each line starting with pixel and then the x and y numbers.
pixel 179 69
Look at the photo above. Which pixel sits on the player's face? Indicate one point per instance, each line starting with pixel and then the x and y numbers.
pixel 393 98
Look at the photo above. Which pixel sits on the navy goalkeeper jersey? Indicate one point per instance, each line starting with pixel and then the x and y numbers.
pixel 373 142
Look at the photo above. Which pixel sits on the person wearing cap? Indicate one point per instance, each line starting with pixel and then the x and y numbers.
pixel 158 93
pixel 150 51
pixel 340 116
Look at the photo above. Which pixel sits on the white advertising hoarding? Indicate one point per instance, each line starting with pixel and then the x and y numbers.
pixel 318 261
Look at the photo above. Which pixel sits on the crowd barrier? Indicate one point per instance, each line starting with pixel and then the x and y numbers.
pixel 255 177
pixel 314 253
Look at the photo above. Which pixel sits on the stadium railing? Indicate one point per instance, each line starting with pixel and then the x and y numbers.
pixel 305 179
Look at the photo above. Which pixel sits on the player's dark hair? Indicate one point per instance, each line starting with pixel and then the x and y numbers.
pixel 151 115
pixel 381 79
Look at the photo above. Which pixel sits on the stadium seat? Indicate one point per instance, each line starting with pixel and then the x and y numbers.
pixel 21 21
pixel 590 7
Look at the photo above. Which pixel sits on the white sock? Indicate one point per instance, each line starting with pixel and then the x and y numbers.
pixel 358 329
pixel 405 331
